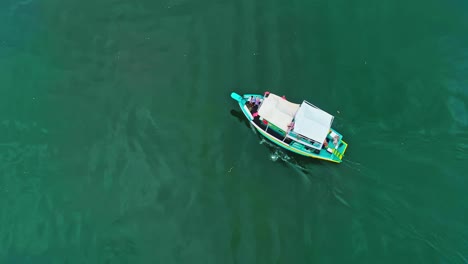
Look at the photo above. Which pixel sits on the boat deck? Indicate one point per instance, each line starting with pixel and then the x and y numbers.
pixel 277 136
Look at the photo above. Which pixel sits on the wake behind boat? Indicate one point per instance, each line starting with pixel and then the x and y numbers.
pixel 301 128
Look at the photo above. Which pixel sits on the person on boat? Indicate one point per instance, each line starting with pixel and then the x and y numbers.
pixel 335 140
pixel 257 101
pixel 255 115
pixel 325 144
pixel 251 103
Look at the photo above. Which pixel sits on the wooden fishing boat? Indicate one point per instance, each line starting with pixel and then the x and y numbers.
pixel 302 128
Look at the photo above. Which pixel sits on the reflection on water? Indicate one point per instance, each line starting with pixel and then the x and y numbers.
pixel 240 116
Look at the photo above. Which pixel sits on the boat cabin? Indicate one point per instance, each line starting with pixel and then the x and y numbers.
pixel 303 123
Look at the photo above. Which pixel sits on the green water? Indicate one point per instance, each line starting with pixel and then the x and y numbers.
pixel 119 142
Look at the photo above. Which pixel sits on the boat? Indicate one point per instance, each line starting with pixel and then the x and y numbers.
pixel 301 128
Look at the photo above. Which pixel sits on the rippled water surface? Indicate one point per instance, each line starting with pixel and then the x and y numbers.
pixel 119 142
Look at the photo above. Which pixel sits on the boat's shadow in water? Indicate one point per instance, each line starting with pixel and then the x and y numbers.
pixel 240 117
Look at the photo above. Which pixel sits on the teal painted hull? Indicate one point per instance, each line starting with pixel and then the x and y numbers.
pixel 276 135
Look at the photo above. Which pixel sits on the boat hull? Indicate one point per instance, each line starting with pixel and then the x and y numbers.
pixel 336 155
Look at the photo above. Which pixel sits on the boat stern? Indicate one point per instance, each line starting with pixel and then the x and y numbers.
pixel 340 151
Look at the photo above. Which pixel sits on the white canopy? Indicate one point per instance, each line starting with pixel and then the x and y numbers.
pixel 278 111
pixel 312 122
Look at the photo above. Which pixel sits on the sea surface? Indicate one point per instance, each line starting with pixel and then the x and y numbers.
pixel 119 142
